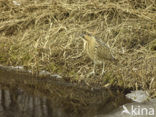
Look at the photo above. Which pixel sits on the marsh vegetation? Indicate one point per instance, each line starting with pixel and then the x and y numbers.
pixel 45 35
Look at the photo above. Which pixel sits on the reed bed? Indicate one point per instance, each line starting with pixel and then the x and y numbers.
pixel 45 35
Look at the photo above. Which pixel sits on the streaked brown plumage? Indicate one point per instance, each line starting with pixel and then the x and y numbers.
pixel 97 50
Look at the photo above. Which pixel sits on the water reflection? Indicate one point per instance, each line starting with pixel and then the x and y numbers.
pixel 23 96
pixel 15 103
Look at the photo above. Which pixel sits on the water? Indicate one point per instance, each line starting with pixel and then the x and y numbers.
pixel 24 96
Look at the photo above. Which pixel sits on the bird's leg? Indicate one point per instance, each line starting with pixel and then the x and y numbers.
pixel 93 72
pixel 94 68
pixel 103 69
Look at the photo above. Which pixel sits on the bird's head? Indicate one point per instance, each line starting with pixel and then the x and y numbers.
pixel 86 37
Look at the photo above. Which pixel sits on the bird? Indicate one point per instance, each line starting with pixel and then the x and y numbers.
pixel 97 50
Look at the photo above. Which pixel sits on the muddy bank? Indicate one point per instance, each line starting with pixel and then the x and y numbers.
pixel 21 69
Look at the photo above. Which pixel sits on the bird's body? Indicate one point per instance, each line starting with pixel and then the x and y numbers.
pixel 97 50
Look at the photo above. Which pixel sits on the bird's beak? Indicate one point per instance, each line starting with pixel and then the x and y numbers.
pixel 82 36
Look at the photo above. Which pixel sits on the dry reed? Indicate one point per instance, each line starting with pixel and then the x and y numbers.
pixel 44 35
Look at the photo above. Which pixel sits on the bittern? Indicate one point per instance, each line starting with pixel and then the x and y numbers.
pixel 97 50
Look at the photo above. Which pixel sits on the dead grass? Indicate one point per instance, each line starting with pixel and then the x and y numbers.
pixel 45 35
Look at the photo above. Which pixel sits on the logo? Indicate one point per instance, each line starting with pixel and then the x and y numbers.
pixel 137 110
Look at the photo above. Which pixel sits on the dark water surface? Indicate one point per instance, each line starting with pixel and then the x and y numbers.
pixel 25 96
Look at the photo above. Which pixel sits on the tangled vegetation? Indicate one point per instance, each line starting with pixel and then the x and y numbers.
pixel 45 35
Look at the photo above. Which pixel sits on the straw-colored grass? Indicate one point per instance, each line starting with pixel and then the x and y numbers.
pixel 45 35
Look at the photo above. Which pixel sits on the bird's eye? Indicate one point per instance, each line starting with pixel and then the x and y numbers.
pixel 82 35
